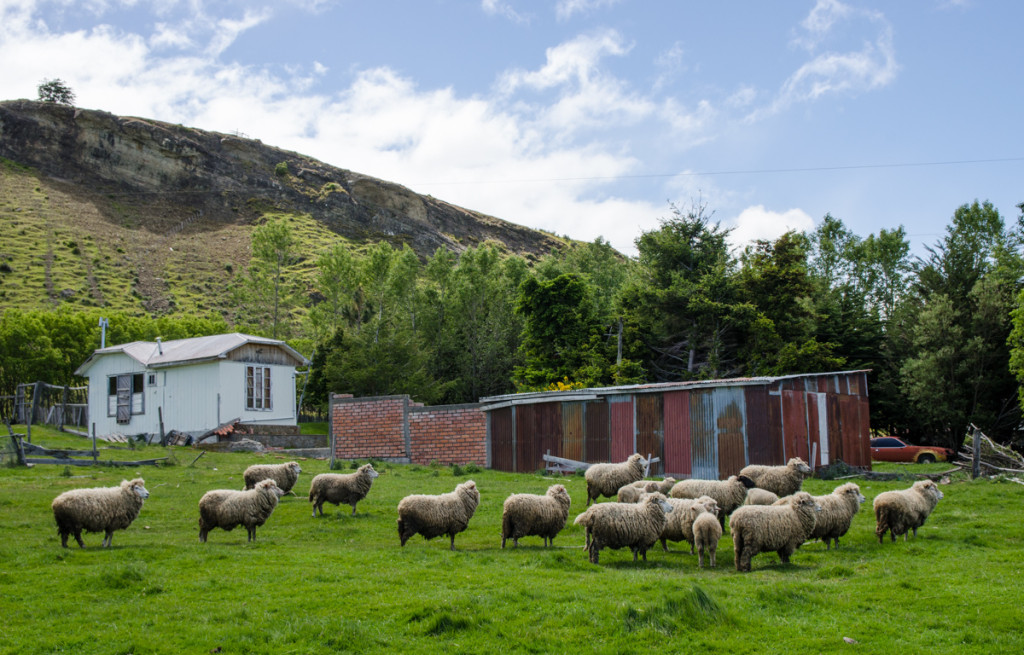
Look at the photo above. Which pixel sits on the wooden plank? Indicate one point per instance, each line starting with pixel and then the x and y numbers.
pixel 89 462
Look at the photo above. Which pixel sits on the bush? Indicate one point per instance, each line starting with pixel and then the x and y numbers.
pixel 281 170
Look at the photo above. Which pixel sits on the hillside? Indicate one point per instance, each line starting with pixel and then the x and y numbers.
pixel 136 214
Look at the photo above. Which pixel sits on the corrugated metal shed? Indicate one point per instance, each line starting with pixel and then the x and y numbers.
pixel 706 429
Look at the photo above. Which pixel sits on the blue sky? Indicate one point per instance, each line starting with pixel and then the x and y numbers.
pixel 581 117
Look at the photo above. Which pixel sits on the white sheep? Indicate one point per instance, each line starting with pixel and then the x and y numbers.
pixel 284 475
pixel 758 496
pixel 706 534
pixel 679 524
pixel 607 479
pixel 625 525
pixel 780 480
pixel 341 488
pixel 433 516
pixel 529 514
pixel 837 511
pixel 780 528
pixel 729 494
pixel 99 509
pixel 227 508
pixel 631 493
pixel 904 510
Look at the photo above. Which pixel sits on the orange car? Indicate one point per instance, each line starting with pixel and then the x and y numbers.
pixel 891 449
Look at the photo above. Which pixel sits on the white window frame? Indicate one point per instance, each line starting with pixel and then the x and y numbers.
pixel 258 397
pixel 136 402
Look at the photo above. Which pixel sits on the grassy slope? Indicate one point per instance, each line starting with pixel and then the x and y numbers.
pixel 342 583
pixel 65 248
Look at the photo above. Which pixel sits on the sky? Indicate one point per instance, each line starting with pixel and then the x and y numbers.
pixel 585 118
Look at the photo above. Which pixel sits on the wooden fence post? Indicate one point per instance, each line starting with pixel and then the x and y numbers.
pixel 976 456
pixel 94 453
pixel 64 407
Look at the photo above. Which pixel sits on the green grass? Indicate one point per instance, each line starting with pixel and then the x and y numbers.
pixel 343 584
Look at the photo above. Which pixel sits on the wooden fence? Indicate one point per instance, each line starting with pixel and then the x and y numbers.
pixel 49 404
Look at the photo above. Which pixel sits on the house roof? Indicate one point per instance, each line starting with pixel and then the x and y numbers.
pixel 497 402
pixel 181 352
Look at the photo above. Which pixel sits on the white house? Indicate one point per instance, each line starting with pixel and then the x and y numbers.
pixel 196 384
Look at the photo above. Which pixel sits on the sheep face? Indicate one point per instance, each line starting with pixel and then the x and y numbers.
pixel 138 486
pixel 660 499
pixel 271 485
pixel 800 465
pixel 930 488
pixel 747 482
pixel 368 470
pixel 294 466
pixel 803 499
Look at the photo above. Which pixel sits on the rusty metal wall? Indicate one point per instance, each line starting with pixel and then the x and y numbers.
pixel 678 459
pixel 703 433
pixel 794 424
pixel 730 425
pixel 763 443
pixel 864 440
pixel 597 442
pixel 835 431
pixel 650 432
pixel 817 430
pixel 547 423
pixel 572 430
pixel 502 445
pixel 620 409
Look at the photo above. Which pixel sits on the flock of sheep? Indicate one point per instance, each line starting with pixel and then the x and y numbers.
pixel 767 509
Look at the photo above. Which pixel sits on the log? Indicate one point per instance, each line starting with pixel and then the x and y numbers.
pixel 89 462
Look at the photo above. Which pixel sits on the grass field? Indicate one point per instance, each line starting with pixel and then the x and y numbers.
pixel 343 584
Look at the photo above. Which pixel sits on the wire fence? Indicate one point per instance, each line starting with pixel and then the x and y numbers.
pixel 41 403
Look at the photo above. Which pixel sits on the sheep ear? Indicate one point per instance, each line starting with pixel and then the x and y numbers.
pixel 747 482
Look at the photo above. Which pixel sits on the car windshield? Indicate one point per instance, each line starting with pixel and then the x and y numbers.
pixel 886 442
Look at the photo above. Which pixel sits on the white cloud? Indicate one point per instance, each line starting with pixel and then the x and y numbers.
pixel 500 8
pixel 564 9
pixel 756 222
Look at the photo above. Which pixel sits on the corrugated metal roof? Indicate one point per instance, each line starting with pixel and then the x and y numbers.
pixel 180 352
pixel 592 393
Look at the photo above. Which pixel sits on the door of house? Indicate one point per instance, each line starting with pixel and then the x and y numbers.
pixel 124 398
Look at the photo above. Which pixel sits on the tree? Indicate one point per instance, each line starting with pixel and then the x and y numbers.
pixel 56 91
pixel 266 295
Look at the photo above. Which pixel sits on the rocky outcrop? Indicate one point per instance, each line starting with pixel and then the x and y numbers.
pixel 232 178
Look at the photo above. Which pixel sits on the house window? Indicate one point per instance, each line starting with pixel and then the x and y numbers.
pixel 152 380
pixel 125 396
pixel 257 388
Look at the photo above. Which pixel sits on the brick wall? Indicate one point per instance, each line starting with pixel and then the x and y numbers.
pixel 448 434
pixel 396 428
pixel 369 427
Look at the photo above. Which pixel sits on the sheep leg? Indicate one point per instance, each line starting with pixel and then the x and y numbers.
pixel 202 535
pixel 712 551
pixel 700 556
pixel 452 536
pixel 664 544
pixel 78 538
pixel 63 538
pixel 353 509
pixel 595 551
pixel 108 538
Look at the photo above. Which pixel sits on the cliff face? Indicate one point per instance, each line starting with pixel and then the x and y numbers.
pixel 155 169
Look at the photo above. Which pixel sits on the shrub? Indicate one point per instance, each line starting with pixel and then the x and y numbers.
pixel 281 170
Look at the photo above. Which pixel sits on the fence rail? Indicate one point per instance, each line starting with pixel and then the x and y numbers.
pixel 43 403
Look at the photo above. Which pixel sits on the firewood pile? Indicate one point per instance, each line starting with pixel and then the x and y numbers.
pixel 994 458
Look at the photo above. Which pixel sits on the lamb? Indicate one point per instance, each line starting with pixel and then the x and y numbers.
pixel 433 516
pixel 906 509
pixel 339 488
pixel 837 510
pixel 631 493
pixel 228 508
pixel 679 524
pixel 100 509
pixel 782 528
pixel 729 494
pixel 758 496
pixel 284 475
pixel 607 479
pixel 528 514
pixel 706 534
pixel 780 480
pixel 625 525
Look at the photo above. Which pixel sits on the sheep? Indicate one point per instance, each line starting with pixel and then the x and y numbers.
pixel 528 514
pixel 758 496
pixel 729 494
pixel 631 493
pixel 341 488
pixel 228 508
pixel 100 509
pixel 618 525
pixel 782 528
pixel 433 516
pixel 780 480
pixel 284 475
pixel 706 534
pixel 906 509
pixel 607 479
pixel 837 510
pixel 679 524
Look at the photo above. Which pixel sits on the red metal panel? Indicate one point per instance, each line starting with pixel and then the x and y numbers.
pixel 621 410
pixel 794 424
pixel 835 429
pixel 775 431
pixel 650 430
pixel 597 443
pixel 703 441
pixel 763 444
pixel 572 430
pixel 548 426
pixel 678 462
pixel 818 451
pixel 501 439
pixel 526 443
pixel 730 425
